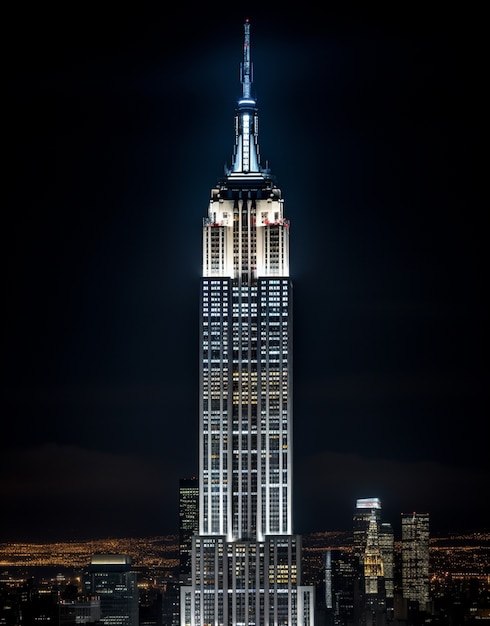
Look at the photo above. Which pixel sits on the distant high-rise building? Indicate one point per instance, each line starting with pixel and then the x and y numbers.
pixel 366 509
pixel 370 599
pixel 80 610
pixel 110 577
pixel 246 561
pixel 387 547
pixel 341 588
pixel 188 523
pixel 415 557
pixel 373 562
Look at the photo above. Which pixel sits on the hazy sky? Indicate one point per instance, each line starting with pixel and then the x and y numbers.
pixel 119 122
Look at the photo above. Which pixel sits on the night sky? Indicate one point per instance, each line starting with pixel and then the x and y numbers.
pixel 118 123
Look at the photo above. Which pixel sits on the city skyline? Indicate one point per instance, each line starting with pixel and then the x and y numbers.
pixel 372 127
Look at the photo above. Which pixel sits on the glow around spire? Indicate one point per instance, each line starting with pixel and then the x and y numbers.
pixel 246 158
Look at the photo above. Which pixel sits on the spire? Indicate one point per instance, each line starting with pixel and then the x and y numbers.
pixel 246 67
pixel 246 151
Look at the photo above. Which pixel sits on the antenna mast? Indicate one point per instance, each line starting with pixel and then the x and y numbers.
pixel 246 68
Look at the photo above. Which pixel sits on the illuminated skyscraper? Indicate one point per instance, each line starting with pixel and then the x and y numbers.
pixel 246 561
pixel 370 552
pixel 387 547
pixel 366 509
pixel 415 558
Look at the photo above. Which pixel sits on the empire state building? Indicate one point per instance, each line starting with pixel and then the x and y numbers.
pixel 246 561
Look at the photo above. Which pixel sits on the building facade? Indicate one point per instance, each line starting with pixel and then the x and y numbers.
pixel 188 523
pixel 111 578
pixel 374 561
pixel 415 558
pixel 246 561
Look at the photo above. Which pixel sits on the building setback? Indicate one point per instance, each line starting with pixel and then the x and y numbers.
pixel 246 561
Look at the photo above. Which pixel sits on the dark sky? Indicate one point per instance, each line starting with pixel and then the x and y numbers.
pixel 118 123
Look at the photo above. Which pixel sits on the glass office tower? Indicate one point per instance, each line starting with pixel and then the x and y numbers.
pixel 246 562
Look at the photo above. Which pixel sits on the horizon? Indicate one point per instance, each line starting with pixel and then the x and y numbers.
pixel 457 534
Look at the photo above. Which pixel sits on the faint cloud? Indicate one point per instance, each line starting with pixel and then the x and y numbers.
pixel 62 491
pixel 52 471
